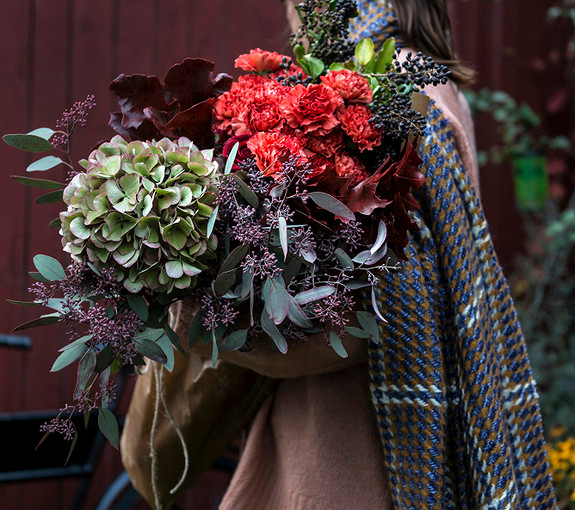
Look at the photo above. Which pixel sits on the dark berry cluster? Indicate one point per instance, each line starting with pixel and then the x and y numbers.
pixel 293 79
pixel 328 34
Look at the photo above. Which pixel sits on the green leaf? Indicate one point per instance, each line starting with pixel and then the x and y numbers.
pixel 72 446
pixel 212 222
pixel 44 164
pixel 214 349
pixel 49 267
pixel 282 228
pixel 174 339
pixel 44 320
pixel 234 340
pixel 364 51
pixel 313 65
pixel 235 257
pixel 381 237
pixel 245 191
pixel 299 51
pixel 224 282
pixel 37 276
pixel 138 305
pixel 38 183
pixel 166 345
pixel 270 328
pixel 104 359
pixel 385 56
pixel 297 315
pixel 332 204
pixel 80 341
pixel 195 329
pixel 51 198
pixel 336 344
pixel 375 304
pixel 231 158
pixel 277 304
pixel 28 143
pixel 150 350
pixel 71 354
pixel 336 66
pixel 86 368
pixel 42 132
pixel 358 333
pixel 315 294
pixel 368 323
pixel 25 303
pixel 108 424
pixel 344 258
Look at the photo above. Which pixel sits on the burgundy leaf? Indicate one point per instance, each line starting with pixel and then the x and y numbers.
pixel 194 123
pixel 190 81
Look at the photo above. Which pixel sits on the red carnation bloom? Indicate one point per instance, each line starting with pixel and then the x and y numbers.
pixel 355 122
pixel 262 115
pixel 271 149
pixel 349 85
pixel 347 165
pixel 312 108
pixel 327 145
pixel 259 61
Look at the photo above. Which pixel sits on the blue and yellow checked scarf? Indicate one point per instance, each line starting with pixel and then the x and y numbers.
pixel 456 404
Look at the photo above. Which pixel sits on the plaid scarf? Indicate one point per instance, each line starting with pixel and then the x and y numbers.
pixel 455 400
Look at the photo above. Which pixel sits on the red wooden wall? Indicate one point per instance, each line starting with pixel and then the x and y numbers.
pixel 55 52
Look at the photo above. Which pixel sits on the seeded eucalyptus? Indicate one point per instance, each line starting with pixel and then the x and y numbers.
pixel 143 208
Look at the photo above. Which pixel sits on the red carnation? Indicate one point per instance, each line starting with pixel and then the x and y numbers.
pixel 349 85
pixel 347 165
pixel 259 61
pixel 312 108
pixel 326 145
pixel 355 122
pixel 262 115
pixel 271 149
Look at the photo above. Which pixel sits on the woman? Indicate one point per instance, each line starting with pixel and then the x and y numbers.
pixel 441 412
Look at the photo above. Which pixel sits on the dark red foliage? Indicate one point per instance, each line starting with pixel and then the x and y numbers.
pixel 182 106
pixel 396 182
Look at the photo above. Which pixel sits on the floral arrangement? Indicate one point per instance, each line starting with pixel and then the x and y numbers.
pixel 275 200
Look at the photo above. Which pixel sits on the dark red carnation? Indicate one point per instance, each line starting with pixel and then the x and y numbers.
pixel 352 87
pixel 312 108
pixel 355 122
pixel 271 149
pixel 259 61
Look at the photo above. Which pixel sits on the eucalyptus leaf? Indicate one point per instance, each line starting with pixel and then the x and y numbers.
pixel 357 332
pixel 165 344
pixel 80 341
pixel 231 158
pixel 104 359
pixel 282 228
pixel 214 350
pixel 85 370
pixel 68 357
pixel 49 267
pixel 224 282
pixel 315 294
pixel 336 344
pixel 246 192
pixel 38 183
pixel 297 315
pixel 150 350
pixel 277 304
pixel 43 132
pixel 138 305
pixel 344 258
pixel 51 198
pixel 45 163
pixel 368 323
pixel 234 258
pixel 212 222
pixel 174 339
pixel 271 329
pixel 235 340
pixel 375 304
pixel 72 447
pixel 331 204
pixel 45 320
pixel 381 237
pixel 28 143
pixel 195 329
pixel 108 425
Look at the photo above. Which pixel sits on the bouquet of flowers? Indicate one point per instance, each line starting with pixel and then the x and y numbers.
pixel 275 199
